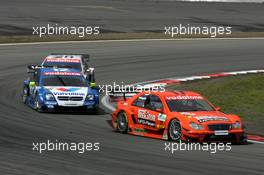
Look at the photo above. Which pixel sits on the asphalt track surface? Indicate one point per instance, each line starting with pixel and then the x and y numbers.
pixel 119 154
pixel 18 17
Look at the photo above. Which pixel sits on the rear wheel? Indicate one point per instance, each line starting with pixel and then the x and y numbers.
pixel 175 131
pixel 122 124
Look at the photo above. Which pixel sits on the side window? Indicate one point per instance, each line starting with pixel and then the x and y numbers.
pixel 85 64
pixel 140 101
pixel 154 103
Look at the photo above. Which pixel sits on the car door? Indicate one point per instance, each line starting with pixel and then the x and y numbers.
pixel 138 108
pixel 155 109
pixel 146 110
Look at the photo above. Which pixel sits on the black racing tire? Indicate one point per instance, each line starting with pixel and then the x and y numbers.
pixel 25 94
pixel 94 111
pixel 37 106
pixel 175 130
pixel 242 141
pixel 122 124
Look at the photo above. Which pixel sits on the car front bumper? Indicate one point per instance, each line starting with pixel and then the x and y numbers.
pixel 53 106
pixel 210 136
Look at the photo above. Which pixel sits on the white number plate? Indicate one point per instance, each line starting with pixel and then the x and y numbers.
pixel 70 104
pixel 221 133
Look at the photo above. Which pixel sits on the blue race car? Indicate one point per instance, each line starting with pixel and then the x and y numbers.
pixel 74 61
pixel 51 89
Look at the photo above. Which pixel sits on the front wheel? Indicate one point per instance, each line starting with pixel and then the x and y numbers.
pixel 95 110
pixel 122 124
pixel 37 105
pixel 175 131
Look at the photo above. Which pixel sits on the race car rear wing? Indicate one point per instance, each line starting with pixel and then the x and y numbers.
pixel 118 94
pixel 86 57
pixel 32 68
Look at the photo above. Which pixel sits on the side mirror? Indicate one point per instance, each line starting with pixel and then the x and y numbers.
pixel 90 75
pixel 93 85
pixel 90 70
pixel 86 58
pixel 217 108
pixel 32 68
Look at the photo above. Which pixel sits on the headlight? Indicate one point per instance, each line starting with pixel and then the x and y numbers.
pixel 90 97
pixel 49 97
pixel 196 126
pixel 236 125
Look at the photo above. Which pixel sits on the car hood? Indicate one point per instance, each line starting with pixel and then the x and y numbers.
pixel 68 91
pixel 206 116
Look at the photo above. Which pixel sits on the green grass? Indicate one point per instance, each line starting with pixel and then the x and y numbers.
pixel 242 95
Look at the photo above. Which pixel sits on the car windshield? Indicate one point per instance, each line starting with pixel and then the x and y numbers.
pixel 59 80
pixel 63 65
pixel 181 105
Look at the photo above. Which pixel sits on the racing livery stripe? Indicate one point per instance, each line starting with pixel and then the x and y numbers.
pixel 63 73
pixel 66 60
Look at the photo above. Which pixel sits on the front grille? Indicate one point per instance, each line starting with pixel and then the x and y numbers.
pixel 68 98
pixel 216 127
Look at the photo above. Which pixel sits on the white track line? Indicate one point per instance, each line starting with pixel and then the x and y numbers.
pixel 253 141
pixel 105 102
pixel 128 40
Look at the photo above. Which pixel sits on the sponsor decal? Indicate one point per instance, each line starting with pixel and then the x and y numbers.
pixel 140 130
pixel 145 118
pixel 67 89
pixel 63 60
pixel 68 94
pixel 63 73
pixel 188 114
pixel 146 122
pixel 160 126
pixel 185 97
pixel 144 114
pixel 202 119
pixel 162 117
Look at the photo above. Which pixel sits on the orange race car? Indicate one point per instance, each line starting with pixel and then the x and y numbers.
pixel 176 116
